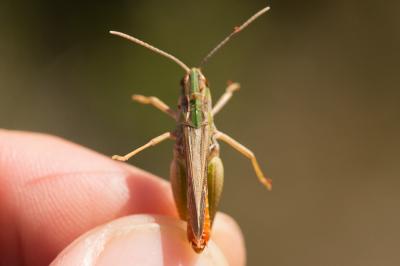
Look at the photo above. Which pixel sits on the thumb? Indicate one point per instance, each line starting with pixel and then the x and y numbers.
pixel 138 240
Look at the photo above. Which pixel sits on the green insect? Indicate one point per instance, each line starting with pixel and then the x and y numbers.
pixel 196 173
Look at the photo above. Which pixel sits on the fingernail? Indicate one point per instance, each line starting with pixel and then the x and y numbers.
pixel 138 240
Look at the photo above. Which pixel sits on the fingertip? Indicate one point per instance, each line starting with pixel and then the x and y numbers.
pixel 139 240
pixel 229 238
pixel 52 191
pixel 85 189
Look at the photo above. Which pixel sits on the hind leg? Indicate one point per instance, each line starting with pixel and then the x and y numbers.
pixel 215 182
pixel 179 187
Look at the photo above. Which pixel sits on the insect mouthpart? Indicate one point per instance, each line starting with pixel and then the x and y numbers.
pixel 198 246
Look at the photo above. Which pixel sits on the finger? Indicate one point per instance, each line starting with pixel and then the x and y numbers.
pixel 138 240
pixel 228 237
pixel 52 191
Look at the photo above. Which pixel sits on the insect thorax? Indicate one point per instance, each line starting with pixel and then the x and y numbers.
pixel 195 101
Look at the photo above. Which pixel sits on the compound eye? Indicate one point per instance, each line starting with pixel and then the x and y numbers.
pixel 203 82
pixel 186 79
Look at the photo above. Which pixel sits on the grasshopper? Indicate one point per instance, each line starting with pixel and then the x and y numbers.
pixel 196 171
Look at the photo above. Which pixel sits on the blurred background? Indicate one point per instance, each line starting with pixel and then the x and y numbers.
pixel 319 106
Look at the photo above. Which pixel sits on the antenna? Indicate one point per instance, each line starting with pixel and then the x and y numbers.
pixel 236 30
pixel 152 48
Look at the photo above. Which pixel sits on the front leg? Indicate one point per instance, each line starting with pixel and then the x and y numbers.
pixel 157 103
pixel 152 142
pixel 225 97
pixel 249 154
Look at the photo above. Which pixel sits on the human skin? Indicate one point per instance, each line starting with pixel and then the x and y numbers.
pixel 64 204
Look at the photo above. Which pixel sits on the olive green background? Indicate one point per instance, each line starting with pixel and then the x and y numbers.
pixel 319 106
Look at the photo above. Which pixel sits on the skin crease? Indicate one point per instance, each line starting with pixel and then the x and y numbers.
pixel 54 193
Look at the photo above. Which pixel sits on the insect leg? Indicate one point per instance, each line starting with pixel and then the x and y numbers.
pixel 249 154
pixel 157 103
pixel 225 97
pixel 179 186
pixel 215 183
pixel 152 142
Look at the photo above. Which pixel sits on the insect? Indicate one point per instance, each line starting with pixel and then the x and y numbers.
pixel 196 171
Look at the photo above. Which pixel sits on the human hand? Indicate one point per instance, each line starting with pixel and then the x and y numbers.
pixel 62 203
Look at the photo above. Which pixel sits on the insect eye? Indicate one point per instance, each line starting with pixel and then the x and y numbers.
pixel 184 80
pixel 203 82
